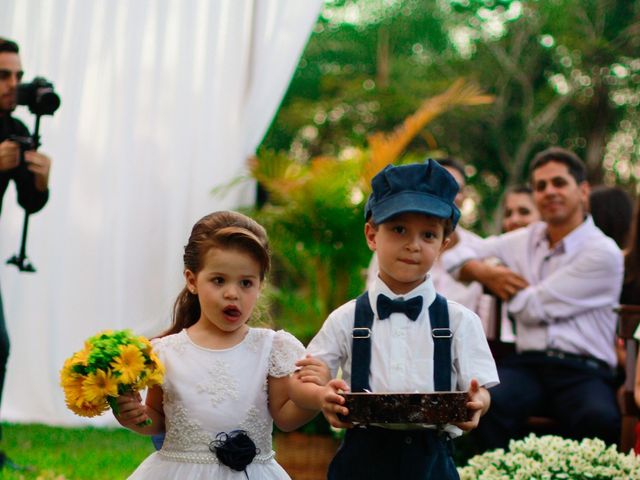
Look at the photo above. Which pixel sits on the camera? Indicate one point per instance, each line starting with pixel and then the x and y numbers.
pixel 39 96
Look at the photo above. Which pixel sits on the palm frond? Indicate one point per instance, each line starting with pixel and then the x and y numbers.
pixel 385 148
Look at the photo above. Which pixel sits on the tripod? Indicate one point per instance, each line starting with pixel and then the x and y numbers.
pixel 21 260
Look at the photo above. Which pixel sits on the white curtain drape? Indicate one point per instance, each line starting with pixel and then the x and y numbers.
pixel 162 100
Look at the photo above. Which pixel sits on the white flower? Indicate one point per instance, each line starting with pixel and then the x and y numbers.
pixel 553 458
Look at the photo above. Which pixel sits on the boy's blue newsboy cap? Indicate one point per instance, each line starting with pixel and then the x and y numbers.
pixel 419 188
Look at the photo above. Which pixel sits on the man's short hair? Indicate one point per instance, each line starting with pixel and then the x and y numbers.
pixel 612 209
pixel 450 162
pixel 556 154
pixel 8 46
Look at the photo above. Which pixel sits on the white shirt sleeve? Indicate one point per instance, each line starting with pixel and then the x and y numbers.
pixel 455 258
pixel 334 338
pixel 472 356
pixel 582 285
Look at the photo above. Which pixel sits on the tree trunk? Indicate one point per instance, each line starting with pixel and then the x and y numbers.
pixel 382 64
pixel 596 139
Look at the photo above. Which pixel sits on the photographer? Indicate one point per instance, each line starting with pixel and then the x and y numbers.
pixel 29 169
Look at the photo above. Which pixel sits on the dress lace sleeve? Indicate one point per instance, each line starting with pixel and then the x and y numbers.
pixel 159 348
pixel 285 350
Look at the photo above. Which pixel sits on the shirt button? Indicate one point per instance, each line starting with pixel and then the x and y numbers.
pixel 408 440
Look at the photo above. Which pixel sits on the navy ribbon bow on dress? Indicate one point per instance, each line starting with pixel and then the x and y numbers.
pixel 411 308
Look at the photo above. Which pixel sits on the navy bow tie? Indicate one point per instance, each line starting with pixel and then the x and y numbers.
pixel 411 308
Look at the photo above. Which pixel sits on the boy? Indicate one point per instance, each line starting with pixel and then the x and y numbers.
pixel 409 216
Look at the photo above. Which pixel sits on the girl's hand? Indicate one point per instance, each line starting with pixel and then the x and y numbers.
pixel 131 411
pixel 333 403
pixel 313 371
pixel 478 404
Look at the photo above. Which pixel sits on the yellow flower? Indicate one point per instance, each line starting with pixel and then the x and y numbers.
pixel 81 357
pixel 67 368
pixel 147 344
pixel 99 385
pixel 118 361
pixel 157 364
pixel 87 409
pixel 154 377
pixel 129 364
pixel 72 386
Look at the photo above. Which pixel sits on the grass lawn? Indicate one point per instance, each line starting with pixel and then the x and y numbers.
pixel 73 453
pixel 57 453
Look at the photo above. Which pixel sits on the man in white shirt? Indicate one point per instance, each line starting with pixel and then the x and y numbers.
pixel 562 278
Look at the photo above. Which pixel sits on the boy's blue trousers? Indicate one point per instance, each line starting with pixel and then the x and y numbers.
pixel 379 453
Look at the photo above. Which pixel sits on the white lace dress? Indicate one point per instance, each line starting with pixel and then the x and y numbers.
pixel 211 391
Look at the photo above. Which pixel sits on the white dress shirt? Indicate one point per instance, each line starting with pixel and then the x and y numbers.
pixel 573 287
pixel 402 350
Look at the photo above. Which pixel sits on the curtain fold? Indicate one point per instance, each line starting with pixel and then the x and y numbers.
pixel 162 100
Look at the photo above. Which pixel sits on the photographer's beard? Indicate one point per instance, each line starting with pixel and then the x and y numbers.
pixel 7 105
pixel 8 100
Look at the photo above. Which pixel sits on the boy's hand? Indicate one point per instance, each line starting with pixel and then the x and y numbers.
pixel 478 404
pixel 313 371
pixel 131 411
pixel 333 403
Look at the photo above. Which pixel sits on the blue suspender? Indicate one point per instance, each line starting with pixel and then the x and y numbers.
pixel 441 333
pixel 361 354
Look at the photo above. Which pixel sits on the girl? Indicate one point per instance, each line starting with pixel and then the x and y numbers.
pixel 225 382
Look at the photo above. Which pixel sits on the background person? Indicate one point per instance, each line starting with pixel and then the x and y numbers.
pixel 519 209
pixel 612 209
pixel 631 287
pixel 29 170
pixel 562 277
pixel 631 296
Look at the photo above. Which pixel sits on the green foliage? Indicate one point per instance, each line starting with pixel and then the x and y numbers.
pixel 564 72
pixel 105 347
pixel 314 219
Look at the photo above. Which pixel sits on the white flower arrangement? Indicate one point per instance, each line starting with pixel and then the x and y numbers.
pixel 553 458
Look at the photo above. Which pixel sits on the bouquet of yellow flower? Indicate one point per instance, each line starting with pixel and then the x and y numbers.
pixel 111 363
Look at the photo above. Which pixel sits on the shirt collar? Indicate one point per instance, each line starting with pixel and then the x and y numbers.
pixel 570 242
pixel 426 290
